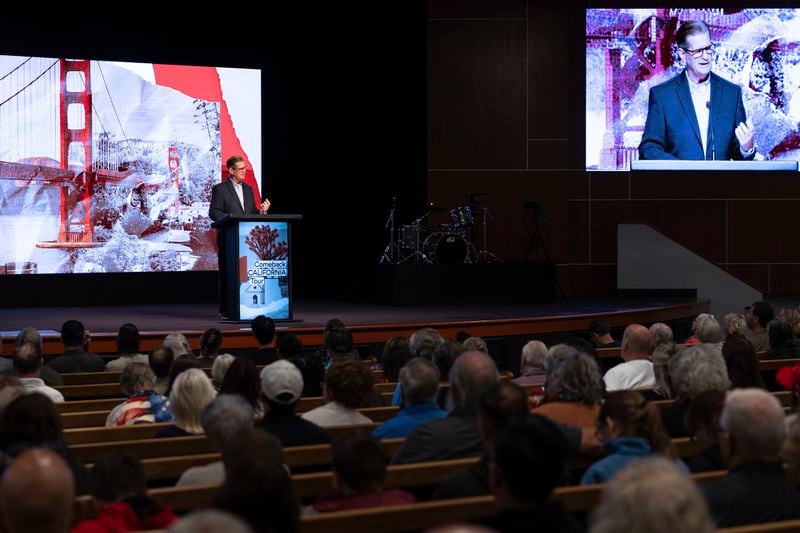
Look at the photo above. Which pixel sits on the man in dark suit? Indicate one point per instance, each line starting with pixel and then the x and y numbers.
pixel 697 114
pixel 231 197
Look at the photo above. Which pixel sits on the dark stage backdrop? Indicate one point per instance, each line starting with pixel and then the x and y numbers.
pixel 343 127
pixel 506 117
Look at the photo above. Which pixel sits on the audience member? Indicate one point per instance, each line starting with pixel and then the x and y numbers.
pixel 30 335
pixel 574 391
pixel 742 363
pixel 458 434
pixel 790 451
pixel 444 357
pixel 143 405
pixel 710 332
pixel 127 349
pixel 629 427
pixel 396 353
pixel 209 521
pixel 755 489
pixel 792 316
pixel 120 492
pixel 735 324
pixel 340 345
pixel 191 393
pixel 781 340
pixel 419 380
pixel 37 494
pixel 692 370
pixel 160 362
pixel 347 383
pixel 210 343
pixel 529 460
pixel 475 344
pixel 220 367
pixel 77 357
pixel 179 344
pixel 662 353
pixel 28 366
pixel 461 336
pixel 531 366
pixel 359 470
pixel 179 365
pixel 10 389
pixel 282 387
pixel 263 328
pixel 257 486
pixel 501 403
pixel 600 334
pixel 227 420
pixel 333 323
pixel 637 370
pixel 31 421
pixel 242 378
pixel 309 363
pixel 661 335
pixel 758 316
pixel 651 495
pixel 424 342
pixel 702 420
pixel 694 339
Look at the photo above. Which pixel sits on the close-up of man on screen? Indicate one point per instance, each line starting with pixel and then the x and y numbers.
pixel 697 114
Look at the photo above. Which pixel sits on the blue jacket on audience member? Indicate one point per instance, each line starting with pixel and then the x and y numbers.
pixel 621 451
pixel 407 419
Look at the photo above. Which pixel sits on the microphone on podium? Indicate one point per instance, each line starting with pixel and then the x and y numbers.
pixel 711 128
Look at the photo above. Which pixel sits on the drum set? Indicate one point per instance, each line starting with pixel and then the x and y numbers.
pixel 449 243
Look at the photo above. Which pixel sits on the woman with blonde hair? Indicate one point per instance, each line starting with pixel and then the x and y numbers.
pixel 629 427
pixel 191 393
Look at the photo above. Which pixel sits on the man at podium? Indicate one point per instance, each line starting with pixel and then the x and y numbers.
pixel 697 114
pixel 232 197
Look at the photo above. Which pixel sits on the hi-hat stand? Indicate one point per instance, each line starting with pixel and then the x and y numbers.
pixel 392 250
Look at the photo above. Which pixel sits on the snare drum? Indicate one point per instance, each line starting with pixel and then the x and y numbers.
pixel 410 236
pixel 461 216
pixel 445 248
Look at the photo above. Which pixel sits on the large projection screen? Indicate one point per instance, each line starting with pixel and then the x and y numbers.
pixel 108 166
pixel 628 51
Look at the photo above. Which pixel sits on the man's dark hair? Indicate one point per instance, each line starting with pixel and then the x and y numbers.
pixel 242 379
pixel 530 453
pixel 179 366
pixel 599 327
pixel 117 476
pixel 257 487
pixel 31 419
pixel 161 361
pixel 27 358
pixel 340 341
pixel 232 160
pixel 210 341
pixel 289 345
pixel 780 333
pixel 360 461
pixel 332 324
pixel 72 333
pixel 128 339
pixel 263 328
pixel 763 312
pixel 688 28
pixel 500 404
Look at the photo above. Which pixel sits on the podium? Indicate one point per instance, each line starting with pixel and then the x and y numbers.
pixel 258 265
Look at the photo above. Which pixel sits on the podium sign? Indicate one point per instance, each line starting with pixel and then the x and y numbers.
pixel 259 265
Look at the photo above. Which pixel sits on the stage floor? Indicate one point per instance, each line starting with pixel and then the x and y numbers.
pixel 198 317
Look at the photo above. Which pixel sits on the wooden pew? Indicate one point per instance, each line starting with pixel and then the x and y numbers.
pixel 97 390
pixel 785 397
pixel 148 431
pixel 786 526
pixel 79 406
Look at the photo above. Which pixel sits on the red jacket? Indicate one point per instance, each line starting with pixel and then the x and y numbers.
pixel 120 516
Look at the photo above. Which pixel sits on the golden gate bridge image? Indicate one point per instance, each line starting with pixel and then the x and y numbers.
pixel 67 136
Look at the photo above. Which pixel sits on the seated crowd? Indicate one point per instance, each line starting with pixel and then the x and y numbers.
pixel 452 402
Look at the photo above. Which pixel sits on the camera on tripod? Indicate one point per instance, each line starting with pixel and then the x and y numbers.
pixel 535 207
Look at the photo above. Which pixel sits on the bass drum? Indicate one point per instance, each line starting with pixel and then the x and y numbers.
pixel 445 248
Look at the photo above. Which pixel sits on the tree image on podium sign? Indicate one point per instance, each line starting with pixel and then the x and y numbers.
pixel 263 241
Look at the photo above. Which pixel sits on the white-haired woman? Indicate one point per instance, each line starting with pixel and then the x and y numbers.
pixel 191 393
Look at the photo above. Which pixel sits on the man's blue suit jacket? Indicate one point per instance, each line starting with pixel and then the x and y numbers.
pixel 671 130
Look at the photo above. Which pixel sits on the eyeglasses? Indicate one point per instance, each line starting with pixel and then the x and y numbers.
pixel 700 51
pixel 242 169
